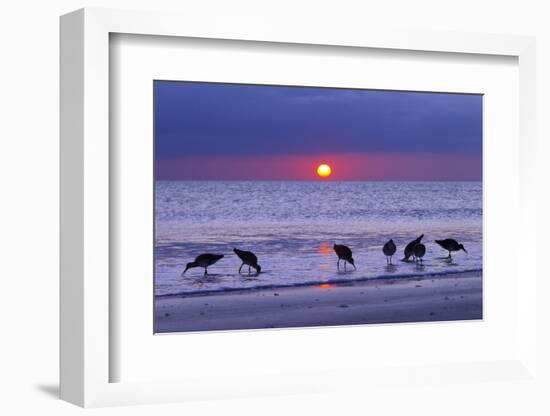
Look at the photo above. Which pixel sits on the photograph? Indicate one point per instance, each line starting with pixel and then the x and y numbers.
pixel 287 206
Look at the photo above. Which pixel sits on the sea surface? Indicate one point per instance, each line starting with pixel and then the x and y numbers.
pixel 292 226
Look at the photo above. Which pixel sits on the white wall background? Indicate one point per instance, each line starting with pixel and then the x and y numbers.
pixel 29 185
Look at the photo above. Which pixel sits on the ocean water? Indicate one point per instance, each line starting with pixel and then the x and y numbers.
pixel 292 226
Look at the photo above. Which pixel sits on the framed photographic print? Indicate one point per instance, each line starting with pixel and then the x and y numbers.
pixel 287 206
pixel 272 211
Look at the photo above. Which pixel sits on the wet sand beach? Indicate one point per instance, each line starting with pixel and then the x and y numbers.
pixel 418 299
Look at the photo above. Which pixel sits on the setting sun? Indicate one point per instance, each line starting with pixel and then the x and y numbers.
pixel 324 170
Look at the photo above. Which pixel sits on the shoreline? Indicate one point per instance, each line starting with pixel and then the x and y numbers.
pixel 360 280
pixel 390 300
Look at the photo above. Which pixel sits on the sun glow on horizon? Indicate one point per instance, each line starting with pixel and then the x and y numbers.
pixel 324 170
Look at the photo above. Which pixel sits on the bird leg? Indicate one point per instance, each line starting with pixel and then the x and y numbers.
pixel 248 269
pixel 241 268
pixel 338 264
pixel 205 271
pixel 345 265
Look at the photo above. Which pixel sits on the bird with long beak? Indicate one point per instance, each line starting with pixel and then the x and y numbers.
pixel 343 253
pixel 451 245
pixel 409 248
pixel 248 258
pixel 203 260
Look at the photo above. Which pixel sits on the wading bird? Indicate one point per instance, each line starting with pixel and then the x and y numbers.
pixel 389 250
pixel 419 251
pixel 409 249
pixel 451 245
pixel 343 253
pixel 203 260
pixel 248 258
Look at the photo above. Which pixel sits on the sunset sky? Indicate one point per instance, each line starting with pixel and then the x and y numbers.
pixel 208 131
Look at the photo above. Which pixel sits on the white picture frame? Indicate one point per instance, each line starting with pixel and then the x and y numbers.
pixel 86 331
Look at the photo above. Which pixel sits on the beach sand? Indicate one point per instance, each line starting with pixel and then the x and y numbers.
pixel 433 298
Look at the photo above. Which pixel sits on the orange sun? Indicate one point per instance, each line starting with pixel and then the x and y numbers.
pixel 324 170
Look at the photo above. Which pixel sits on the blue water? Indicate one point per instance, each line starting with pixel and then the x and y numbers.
pixel 291 226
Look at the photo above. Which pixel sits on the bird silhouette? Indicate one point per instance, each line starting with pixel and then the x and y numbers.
pixel 389 250
pixel 409 249
pixel 419 251
pixel 343 253
pixel 248 258
pixel 451 245
pixel 203 260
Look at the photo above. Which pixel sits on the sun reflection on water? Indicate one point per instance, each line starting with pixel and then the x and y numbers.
pixel 325 249
pixel 325 286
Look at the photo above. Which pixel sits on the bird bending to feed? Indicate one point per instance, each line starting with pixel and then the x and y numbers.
pixel 343 253
pixel 248 258
pixel 419 251
pixel 409 249
pixel 450 245
pixel 203 260
pixel 389 250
